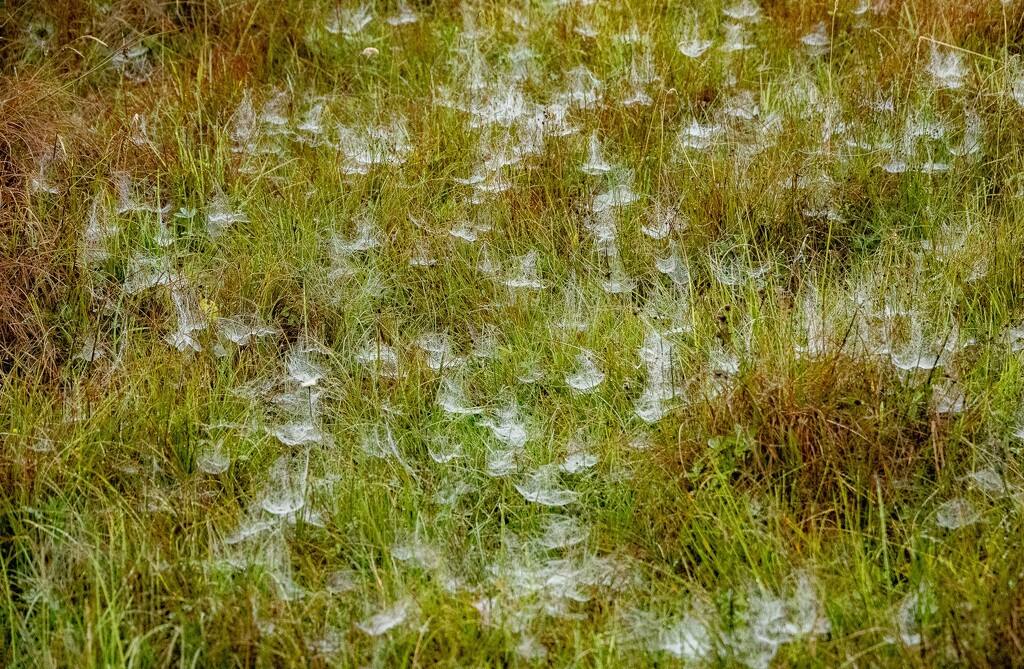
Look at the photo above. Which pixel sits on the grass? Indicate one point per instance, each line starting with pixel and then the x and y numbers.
pixel 490 334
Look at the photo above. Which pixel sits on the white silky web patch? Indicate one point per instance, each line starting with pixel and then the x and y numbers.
pixel 542 487
pixel 588 376
pixel 387 619
pixel 285 492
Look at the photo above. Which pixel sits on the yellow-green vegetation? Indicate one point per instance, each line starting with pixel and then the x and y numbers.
pixel 480 334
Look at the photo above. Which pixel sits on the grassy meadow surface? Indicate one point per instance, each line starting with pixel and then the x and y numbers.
pixel 527 333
